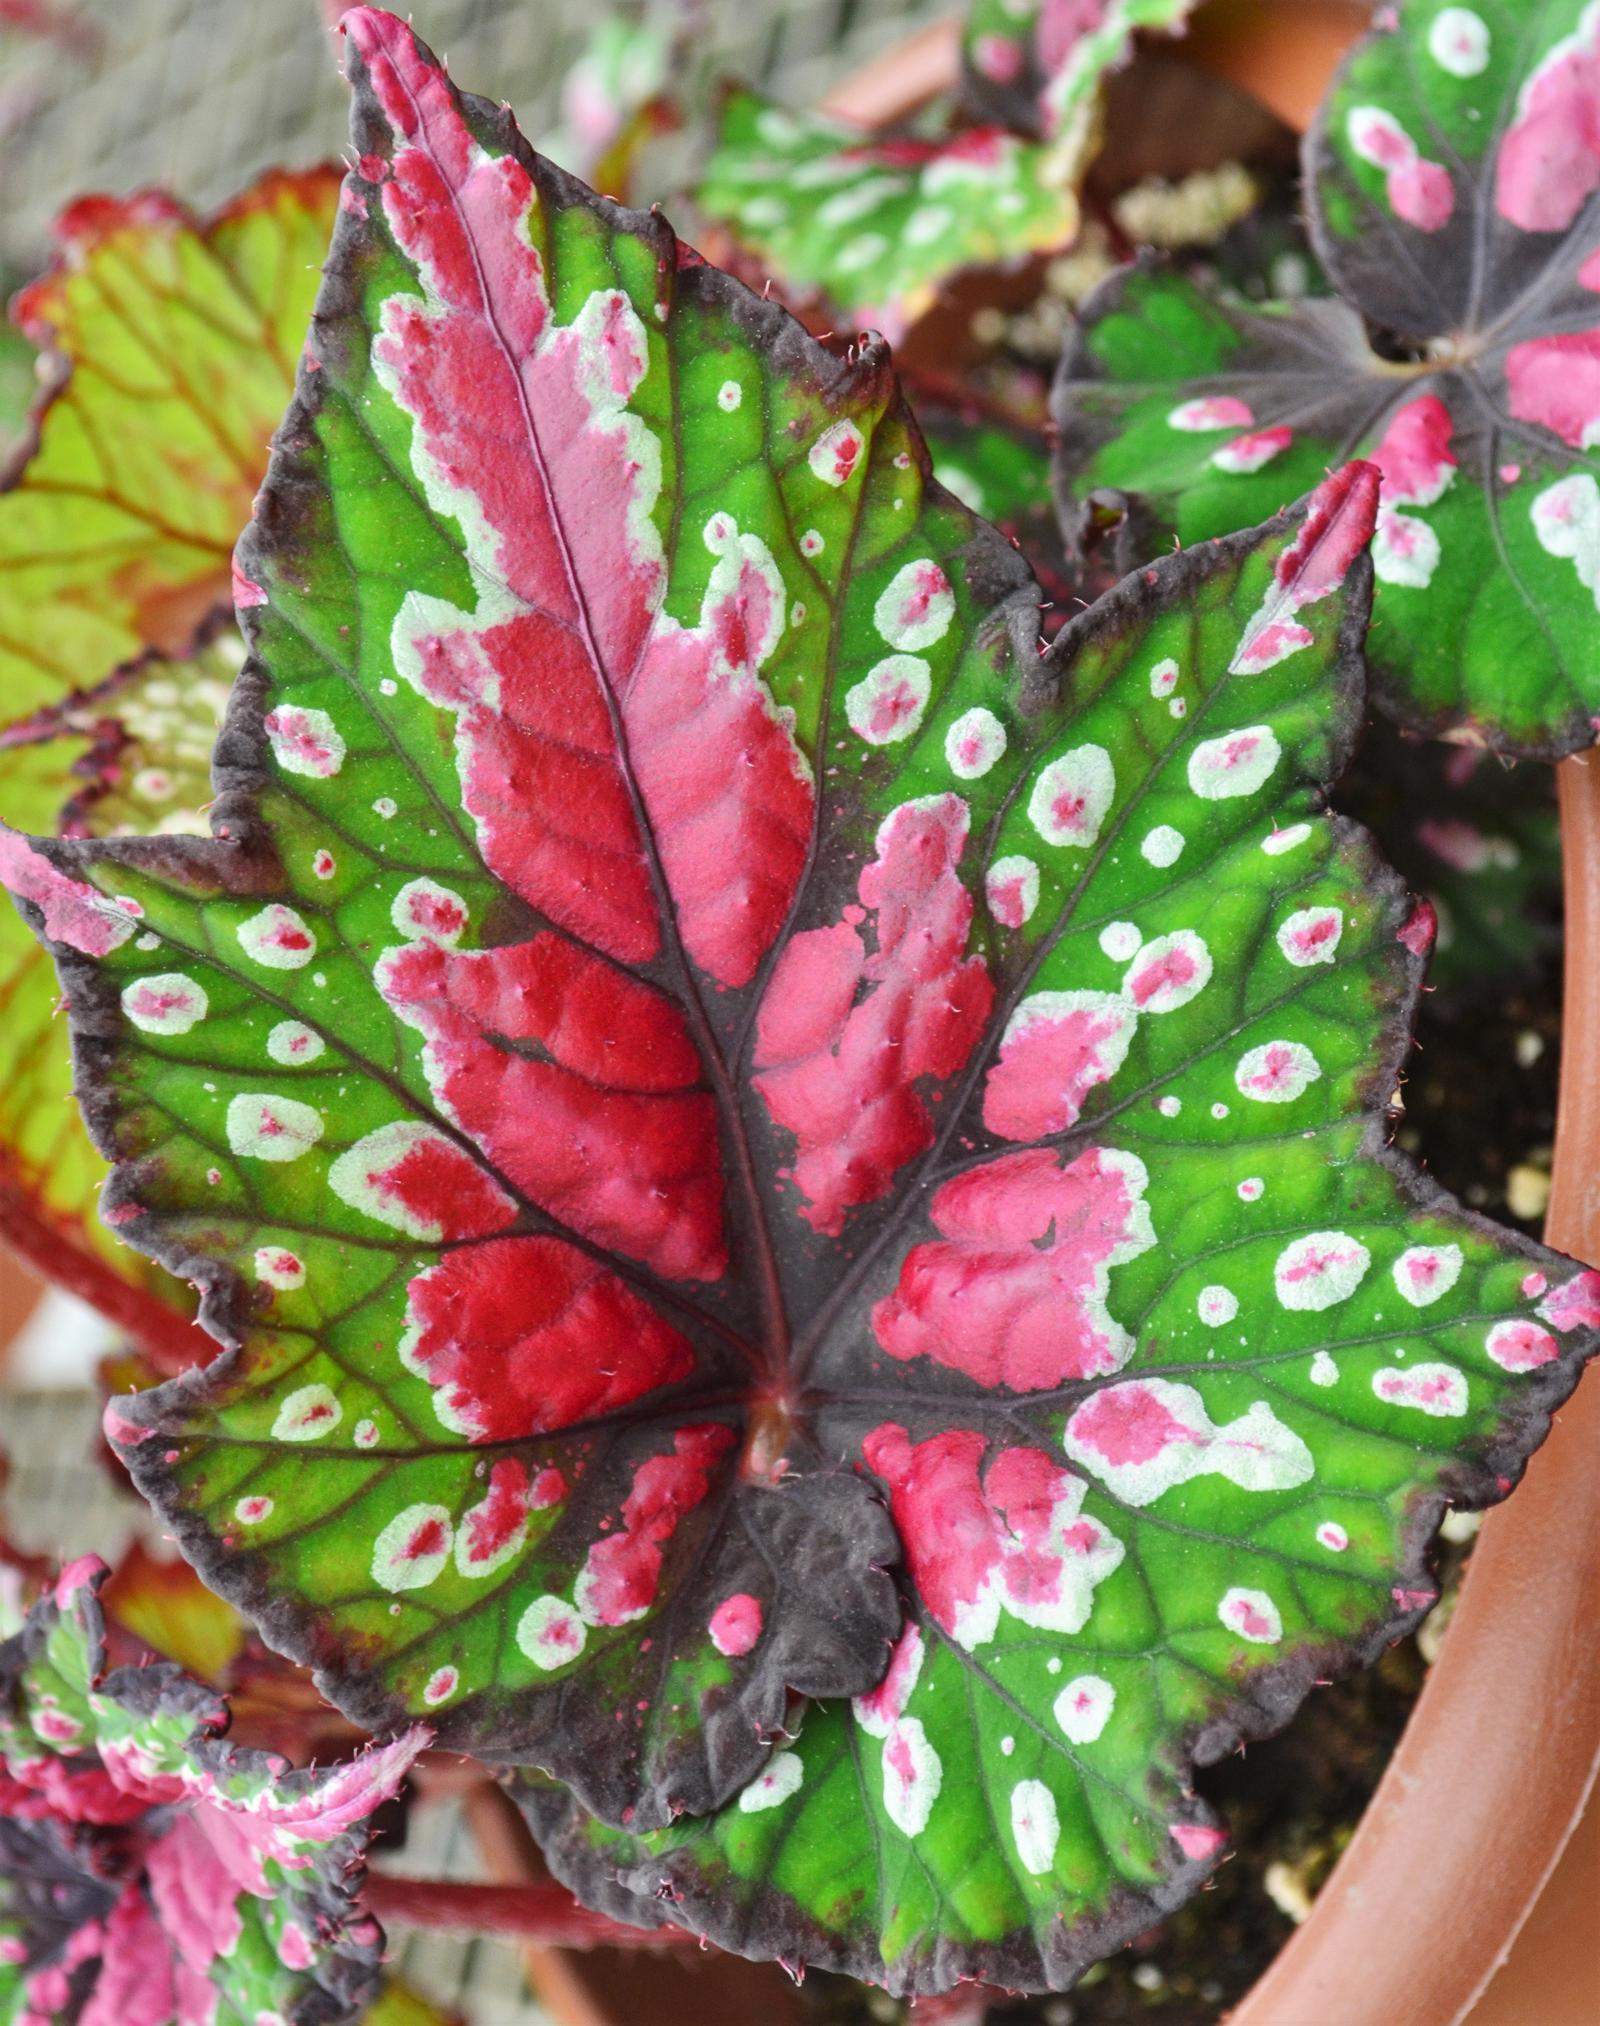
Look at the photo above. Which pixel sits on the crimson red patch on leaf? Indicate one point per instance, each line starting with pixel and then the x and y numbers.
pixel 795 1194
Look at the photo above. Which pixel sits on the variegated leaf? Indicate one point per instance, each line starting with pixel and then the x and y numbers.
pixel 1454 188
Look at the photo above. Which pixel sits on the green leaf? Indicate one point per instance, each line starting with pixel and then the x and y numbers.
pixel 132 756
pixel 176 343
pixel 731 1075
pixel 876 227
pixel 150 1873
pixel 171 345
pixel 1455 202
pixel 1002 471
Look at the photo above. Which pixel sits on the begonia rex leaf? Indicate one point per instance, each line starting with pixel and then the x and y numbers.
pixel 1180 1364
pixel 176 341
pixel 697 1064
pixel 1453 182
pixel 1037 65
pixel 876 227
pixel 149 1874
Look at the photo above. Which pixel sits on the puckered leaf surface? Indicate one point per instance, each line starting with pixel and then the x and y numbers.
pixel 1453 180
pixel 1037 65
pixel 689 1027
pixel 150 1874
pixel 172 344
pixel 1181 1365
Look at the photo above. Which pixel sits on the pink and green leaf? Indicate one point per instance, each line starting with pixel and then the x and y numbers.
pixel 147 1871
pixel 696 1062
pixel 616 95
pixel 1174 1364
pixel 875 228
pixel 1001 470
pixel 1037 65
pixel 1455 201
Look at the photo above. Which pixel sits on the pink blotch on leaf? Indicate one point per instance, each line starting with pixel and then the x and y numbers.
pixel 1016 1542
pixel 1419 928
pixel 1413 1600
pixel 842 1075
pixel 1549 162
pixel 73 913
pixel 622 1572
pixel 1575 1304
pixel 1520 1346
pixel 601 1122
pixel 523 1335
pixel 245 593
pixel 736 1624
pixel 1216 411
pixel 1057 1047
pixel 1197 1841
pixel 1255 451
pixel 1419 191
pixel 882 1707
pixel 1014 1292
pixel 1555 382
pixel 497 1520
pixel 1414 453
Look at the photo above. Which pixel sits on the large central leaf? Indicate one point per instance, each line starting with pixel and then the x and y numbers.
pixel 692 1039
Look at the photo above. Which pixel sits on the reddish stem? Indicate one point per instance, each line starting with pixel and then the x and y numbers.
pixel 171 1342
pixel 547 1914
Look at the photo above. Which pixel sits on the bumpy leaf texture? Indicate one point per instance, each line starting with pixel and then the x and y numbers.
pixel 171 346
pixel 149 1875
pixel 1453 180
pixel 1036 66
pixel 1169 1365
pixel 689 1027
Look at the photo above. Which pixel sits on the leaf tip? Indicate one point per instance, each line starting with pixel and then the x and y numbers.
pixel 1340 516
